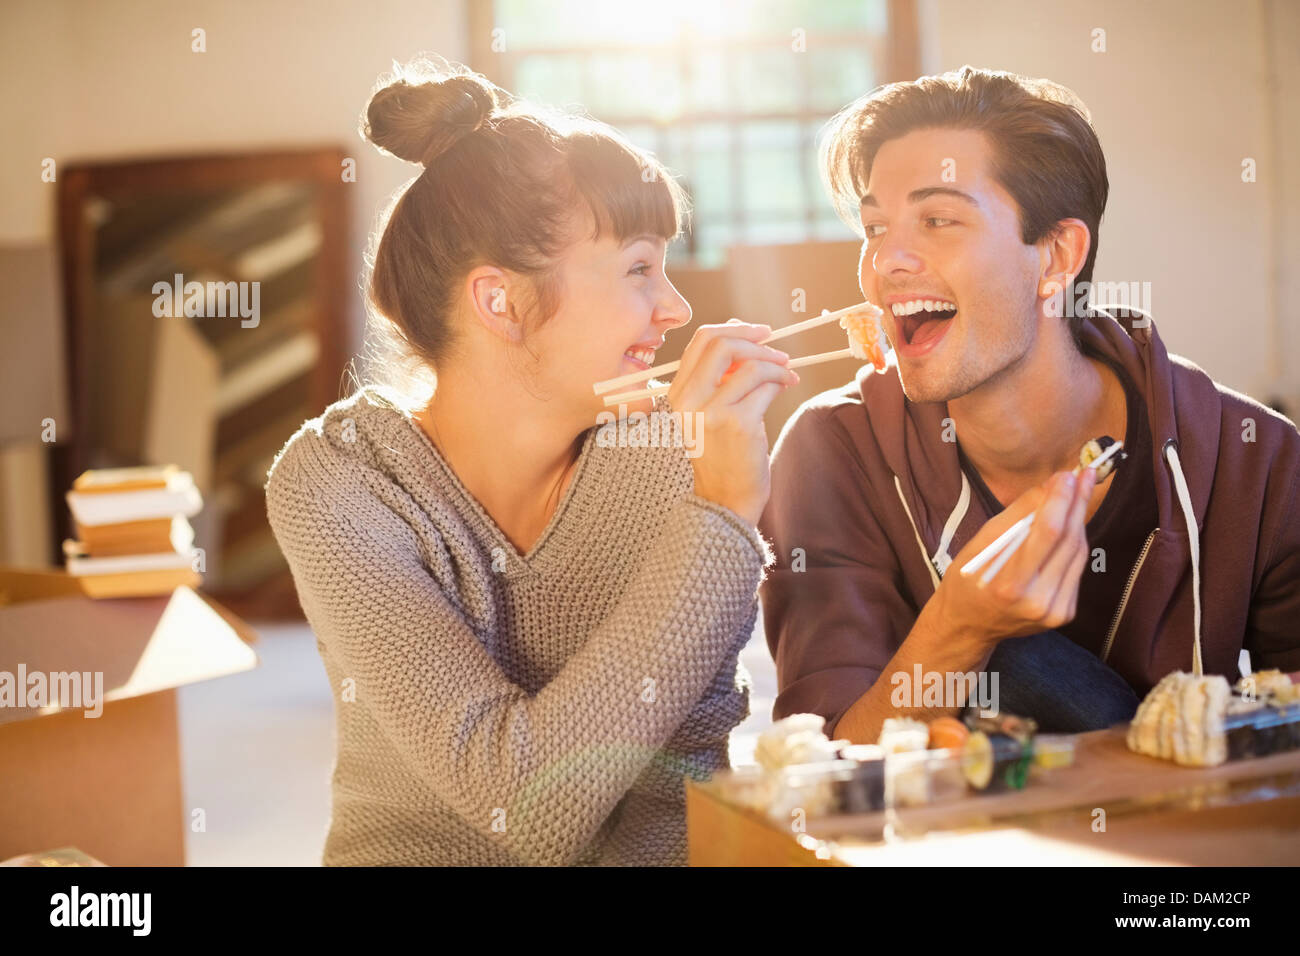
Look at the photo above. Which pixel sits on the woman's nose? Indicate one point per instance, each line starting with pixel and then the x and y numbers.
pixel 674 311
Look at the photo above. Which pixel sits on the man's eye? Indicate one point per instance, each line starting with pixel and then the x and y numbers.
pixel 940 221
pixel 873 229
pixel 640 270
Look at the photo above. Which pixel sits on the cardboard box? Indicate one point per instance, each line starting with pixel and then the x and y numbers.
pixel 110 784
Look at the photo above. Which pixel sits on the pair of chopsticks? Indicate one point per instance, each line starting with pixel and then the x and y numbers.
pixel 1015 536
pixel 633 377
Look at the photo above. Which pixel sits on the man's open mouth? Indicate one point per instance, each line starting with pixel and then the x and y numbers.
pixel 920 320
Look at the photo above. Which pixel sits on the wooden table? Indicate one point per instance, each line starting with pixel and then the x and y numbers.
pixel 1110 807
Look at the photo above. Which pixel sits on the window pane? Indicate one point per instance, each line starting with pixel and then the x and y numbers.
pixel 771 164
pixel 628 85
pixel 832 228
pixel 643 135
pixel 710 86
pixel 711 174
pixel 837 76
pixel 531 24
pixel 712 240
pixel 842 16
pixel 773 19
pixel 549 79
pixel 757 233
pixel 767 81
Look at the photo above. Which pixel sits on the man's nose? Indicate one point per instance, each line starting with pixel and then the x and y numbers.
pixel 896 254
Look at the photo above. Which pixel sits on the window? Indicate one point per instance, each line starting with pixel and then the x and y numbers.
pixel 729 94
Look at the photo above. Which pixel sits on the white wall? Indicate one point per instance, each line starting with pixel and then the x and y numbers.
pixel 84 79
pixel 1181 95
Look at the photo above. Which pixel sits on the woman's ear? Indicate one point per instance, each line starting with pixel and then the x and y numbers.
pixel 488 289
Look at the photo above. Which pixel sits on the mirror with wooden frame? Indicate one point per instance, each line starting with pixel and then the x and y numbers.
pixel 205 323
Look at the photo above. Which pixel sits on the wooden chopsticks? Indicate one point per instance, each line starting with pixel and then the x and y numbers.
pixel 1015 536
pixel 634 377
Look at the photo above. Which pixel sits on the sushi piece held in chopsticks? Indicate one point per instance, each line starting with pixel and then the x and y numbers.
pixel 1094 449
pixel 866 335
pixel 867 343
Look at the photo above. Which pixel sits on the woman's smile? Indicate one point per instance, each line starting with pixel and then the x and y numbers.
pixel 640 356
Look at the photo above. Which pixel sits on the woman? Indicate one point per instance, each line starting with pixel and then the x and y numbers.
pixel 533 635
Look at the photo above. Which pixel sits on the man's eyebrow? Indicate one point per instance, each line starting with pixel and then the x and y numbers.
pixel 917 195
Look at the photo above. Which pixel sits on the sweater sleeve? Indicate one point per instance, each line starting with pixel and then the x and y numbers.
pixel 538 772
pixel 833 604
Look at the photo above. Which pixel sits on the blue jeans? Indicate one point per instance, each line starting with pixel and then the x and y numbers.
pixel 1065 688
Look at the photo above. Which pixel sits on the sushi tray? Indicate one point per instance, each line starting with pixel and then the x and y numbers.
pixel 1211 746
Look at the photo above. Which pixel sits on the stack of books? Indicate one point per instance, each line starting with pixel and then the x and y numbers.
pixel 134 537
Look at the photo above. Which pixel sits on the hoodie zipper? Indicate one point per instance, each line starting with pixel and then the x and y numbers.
pixel 1123 600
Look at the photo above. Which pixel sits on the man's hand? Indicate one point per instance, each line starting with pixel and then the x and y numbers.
pixel 1038 588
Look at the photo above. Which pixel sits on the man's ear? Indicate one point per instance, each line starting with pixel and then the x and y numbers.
pixel 488 289
pixel 1061 255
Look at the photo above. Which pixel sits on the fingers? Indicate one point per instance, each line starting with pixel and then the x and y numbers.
pixel 748 376
pixel 1004 519
pixel 754 406
pixel 695 388
pixel 1066 600
pixel 1050 528
pixel 706 334
pixel 1052 588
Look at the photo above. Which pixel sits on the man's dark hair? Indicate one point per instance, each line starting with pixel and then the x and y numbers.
pixel 1045 151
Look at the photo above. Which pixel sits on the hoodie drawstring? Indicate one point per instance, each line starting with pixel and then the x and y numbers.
pixel 1193 545
pixel 938 564
pixel 941 558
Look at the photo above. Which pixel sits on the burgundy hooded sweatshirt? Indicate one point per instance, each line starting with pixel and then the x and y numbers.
pixel 869 504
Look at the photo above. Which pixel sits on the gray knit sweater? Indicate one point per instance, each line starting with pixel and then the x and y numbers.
pixel 498 708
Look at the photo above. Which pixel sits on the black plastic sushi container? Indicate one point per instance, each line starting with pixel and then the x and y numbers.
pixel 861 789
pixel 1262 730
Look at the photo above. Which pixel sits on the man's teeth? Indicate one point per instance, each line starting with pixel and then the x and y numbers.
pixel 646 355
pixel 923 305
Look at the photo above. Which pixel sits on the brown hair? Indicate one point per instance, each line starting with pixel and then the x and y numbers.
pixel 1045 150
pixel 501 184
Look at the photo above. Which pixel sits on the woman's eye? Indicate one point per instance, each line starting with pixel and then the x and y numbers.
pixel 640 270
pixel 940 220
pixel 873 229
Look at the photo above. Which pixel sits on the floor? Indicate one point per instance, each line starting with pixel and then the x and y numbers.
pixel 257 750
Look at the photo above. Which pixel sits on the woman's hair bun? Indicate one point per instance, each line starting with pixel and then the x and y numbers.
pixel 423 110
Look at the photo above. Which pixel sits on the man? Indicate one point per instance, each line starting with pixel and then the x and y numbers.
pixel 983 191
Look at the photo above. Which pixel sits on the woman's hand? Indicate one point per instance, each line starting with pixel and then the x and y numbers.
pixel 1038 588
pixel 729 380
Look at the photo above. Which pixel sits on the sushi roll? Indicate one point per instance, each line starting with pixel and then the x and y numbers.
pixel 1198 737
pixel 1094 449
pixel 809 788
pixel 1183 719
pixel 797 739
pixel 861 789
pixel 995 761
pixel 903 735
pixel 1270 687
pixel 948 733
pixel 907 779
